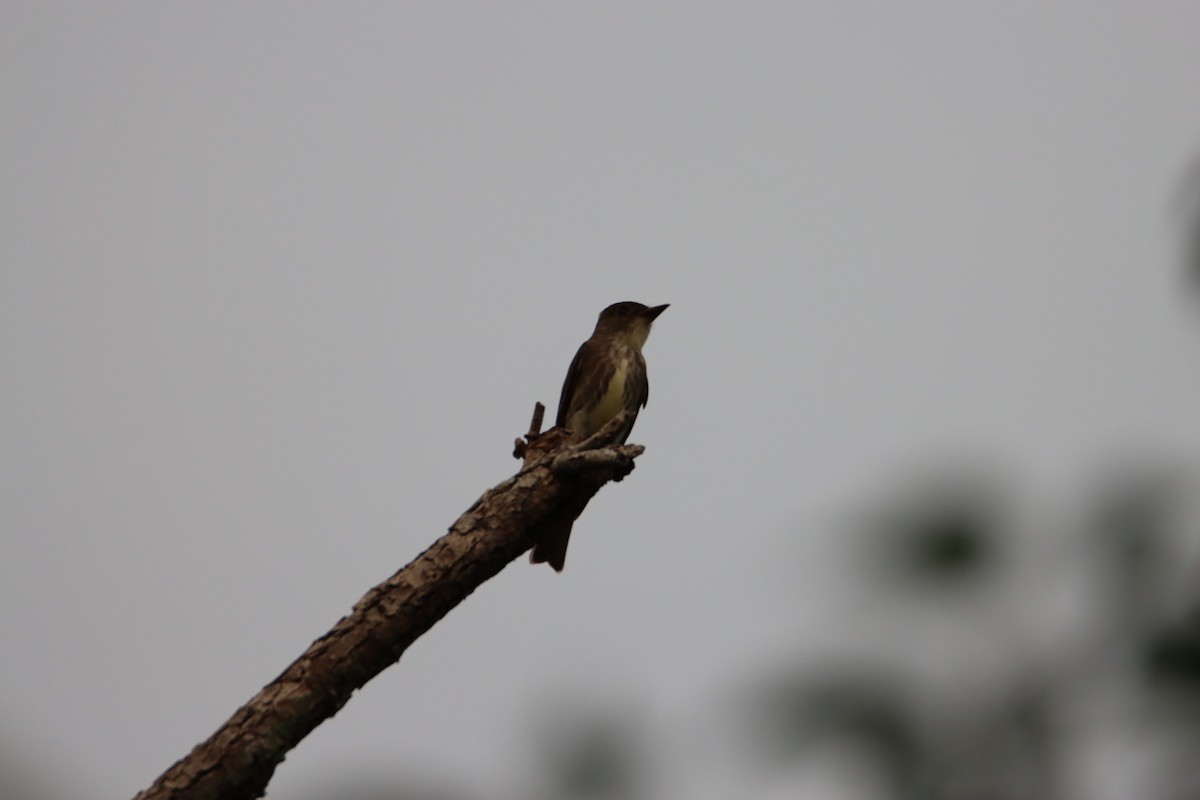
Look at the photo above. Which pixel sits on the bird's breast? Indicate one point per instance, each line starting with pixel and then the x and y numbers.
pixel 612 402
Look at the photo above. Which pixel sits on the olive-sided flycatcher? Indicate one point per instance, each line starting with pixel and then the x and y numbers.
pixel 607 376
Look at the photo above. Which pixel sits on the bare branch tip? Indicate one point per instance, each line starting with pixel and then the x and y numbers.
pixel 535 424
pixel 521 448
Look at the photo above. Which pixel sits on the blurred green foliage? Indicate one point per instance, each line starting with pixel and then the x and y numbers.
pixel 1018 735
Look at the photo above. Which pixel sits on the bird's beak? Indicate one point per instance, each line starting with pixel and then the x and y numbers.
pixel 652 314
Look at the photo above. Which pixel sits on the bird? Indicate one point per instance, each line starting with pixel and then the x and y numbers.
pixel 607 376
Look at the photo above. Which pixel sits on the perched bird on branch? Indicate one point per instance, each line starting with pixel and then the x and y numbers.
pixel 607 376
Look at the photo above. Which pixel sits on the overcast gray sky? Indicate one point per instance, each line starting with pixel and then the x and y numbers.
pixel 280 284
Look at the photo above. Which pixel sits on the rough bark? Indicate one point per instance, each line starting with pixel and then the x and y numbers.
pixel 558 479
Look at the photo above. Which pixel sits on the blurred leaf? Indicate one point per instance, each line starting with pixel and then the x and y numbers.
pixel 944 535
pixel 870 711
pixel 1173 656
pixel 1133 521
pixel 954 543
pixel 593 755
pixel 1138 535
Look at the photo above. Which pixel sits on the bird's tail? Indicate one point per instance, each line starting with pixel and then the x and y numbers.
pixel 552 547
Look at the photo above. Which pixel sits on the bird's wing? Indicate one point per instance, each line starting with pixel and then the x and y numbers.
pixel 579 390
pixel 643 385
pixel 637 392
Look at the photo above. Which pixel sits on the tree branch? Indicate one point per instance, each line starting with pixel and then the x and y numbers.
pixel 558 479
